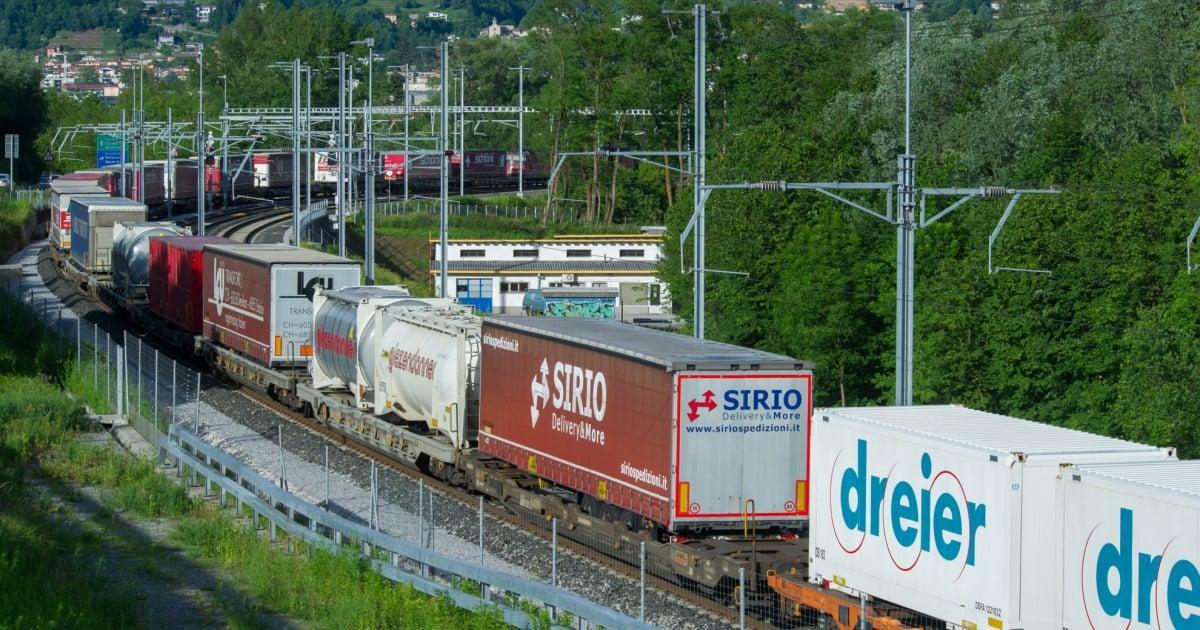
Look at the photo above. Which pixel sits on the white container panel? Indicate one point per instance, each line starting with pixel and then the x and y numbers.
pixel 427 369
pixel 1131 546
pixel 873 529
pixel 946 510
pixel 742 445
pixel 292 290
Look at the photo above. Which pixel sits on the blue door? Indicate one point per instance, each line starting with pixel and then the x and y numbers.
pixel 475 291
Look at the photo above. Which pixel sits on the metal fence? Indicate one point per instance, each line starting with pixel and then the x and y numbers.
pixel 410 534
pixel 431 206
pixel 37 197
pixel 470 585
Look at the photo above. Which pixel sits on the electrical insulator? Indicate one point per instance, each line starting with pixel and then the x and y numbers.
pixel 994 192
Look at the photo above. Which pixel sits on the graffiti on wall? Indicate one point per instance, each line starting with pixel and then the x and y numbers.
pixel 585 307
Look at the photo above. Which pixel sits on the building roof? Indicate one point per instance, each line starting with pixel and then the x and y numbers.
pixel 573 239
pixel 549 266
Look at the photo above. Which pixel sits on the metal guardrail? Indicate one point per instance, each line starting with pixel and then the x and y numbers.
pixel 153 393
pixel 321 528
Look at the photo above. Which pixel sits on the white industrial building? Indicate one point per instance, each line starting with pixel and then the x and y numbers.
pixel 494 274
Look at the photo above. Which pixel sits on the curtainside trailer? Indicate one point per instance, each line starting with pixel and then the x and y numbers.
pixel 61 192
pixel 176 291
pixel 260 298
pixel 690 434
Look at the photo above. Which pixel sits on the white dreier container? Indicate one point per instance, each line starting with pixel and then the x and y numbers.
pixel 946 510
pixel 1131 545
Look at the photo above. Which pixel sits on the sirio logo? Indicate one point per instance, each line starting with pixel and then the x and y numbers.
pixel 912 517
pixel 747 400
pixel 694 406
pixel 1141 586
pixel 569 388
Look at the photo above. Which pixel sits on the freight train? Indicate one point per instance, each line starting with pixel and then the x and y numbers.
pixel 272 174
pixel 711 454
pixel 408 378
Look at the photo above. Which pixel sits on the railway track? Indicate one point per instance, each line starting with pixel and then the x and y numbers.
pixel 250 230
pixel 510 515
pixel 533 524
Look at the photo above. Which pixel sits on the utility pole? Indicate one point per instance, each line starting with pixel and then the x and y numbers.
pixel 699 198
pixel 296 152
pixel 521 129
pixel 224 178
pixel 224 146
pixel 905 231
pixel 444 222
pixel 169 179
pixel 200 152
pixel 124 142
pixel 140 137
pixel 462 130
pixel 369 163
pixel 308 154
pixel 407 114
pixel 341 157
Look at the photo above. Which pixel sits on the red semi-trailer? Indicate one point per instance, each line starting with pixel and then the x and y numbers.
pixel 259 298
pixel 176 291
pixel 688 433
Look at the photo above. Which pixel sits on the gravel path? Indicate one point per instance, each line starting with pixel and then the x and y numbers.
pixel 250 431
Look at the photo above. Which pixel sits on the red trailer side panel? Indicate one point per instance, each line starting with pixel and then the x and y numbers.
pixel 237 304
pixel 176 291
pixel 594 422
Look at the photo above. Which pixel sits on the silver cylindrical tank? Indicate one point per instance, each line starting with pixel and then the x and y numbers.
pixel 131 253
pixel 340 345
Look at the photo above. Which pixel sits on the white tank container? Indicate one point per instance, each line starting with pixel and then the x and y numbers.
pixel 946 510
pixel 345 335
pixel 1131 545
pixel 131 253
pixel 427 369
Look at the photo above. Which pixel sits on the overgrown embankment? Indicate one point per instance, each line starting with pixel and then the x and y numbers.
pixel 93 537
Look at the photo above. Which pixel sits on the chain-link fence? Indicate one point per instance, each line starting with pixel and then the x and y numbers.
pixel 431 206
pixel 128 379
pixel 115 373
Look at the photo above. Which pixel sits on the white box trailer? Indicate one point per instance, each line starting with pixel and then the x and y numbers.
pixel 1130 545
pixel 946 510
pixel 92 221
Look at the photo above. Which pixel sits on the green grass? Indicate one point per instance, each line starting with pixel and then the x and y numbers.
pixel 49 575
pixel 13 215
pixel 328 590
pixel 45 577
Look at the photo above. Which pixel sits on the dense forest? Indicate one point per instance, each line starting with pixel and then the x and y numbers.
pixel 1098 99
